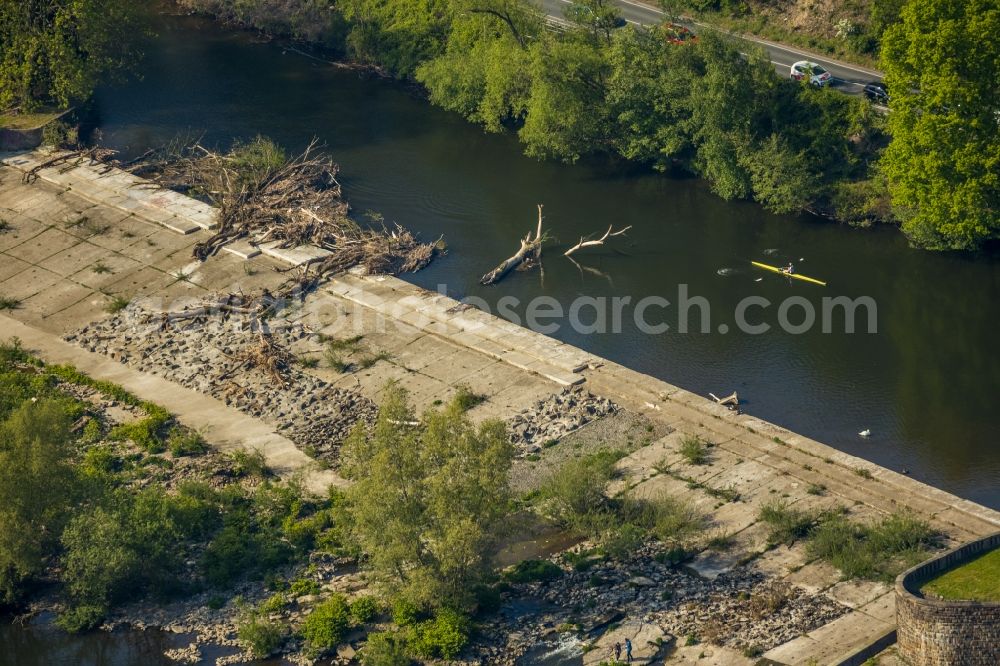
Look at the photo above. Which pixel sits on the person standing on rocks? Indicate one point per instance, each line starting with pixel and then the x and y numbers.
pixel 618 651
pixel 628 651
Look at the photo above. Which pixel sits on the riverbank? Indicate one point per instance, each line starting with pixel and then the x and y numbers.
pixel 437 348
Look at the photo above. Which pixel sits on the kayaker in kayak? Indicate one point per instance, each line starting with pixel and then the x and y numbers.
pixel 789 269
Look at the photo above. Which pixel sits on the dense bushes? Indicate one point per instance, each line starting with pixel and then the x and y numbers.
pixel 575 497
pixel 326 625
pixel 70 498
pixel 878 550
pixel 704 107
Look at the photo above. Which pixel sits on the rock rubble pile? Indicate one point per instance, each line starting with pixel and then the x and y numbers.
pixel 556 416
pixel 206 354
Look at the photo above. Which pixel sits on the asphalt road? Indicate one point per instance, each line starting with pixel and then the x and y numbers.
pixel 847 78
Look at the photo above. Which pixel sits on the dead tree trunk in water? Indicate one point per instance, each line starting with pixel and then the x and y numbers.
pixel 600 241
pixel 529 254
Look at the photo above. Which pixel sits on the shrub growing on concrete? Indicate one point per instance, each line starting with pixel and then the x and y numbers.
pixel 787 524
pixel 877 551
pixel 694 450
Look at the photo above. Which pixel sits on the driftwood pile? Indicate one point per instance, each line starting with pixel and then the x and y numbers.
pixel 263 196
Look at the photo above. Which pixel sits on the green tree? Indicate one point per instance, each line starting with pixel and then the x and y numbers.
pixel 483 73
pixel 781 178
pixel 942 64
pixel 727 100
pixel 598 18
pixel 126 546
pixel 56 51
pixel 645 91
pixel 428 501
pixel 38 488
pixel 565 110
pixel 397 35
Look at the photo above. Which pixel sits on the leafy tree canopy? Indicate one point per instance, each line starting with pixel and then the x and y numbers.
pixel 37 489
pixel 428 500
pixel 57 51
pixel 942 64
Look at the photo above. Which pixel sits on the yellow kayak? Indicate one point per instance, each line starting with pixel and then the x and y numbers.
pixel 775 269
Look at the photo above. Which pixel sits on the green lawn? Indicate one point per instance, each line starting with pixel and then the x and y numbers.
pixel 27 120
pixel 978 580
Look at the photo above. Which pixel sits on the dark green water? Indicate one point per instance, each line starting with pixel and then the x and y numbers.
pixel 923 384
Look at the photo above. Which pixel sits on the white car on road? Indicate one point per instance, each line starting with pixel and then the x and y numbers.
pixel 817 75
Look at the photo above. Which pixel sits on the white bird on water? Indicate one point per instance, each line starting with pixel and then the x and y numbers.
pixel 865 433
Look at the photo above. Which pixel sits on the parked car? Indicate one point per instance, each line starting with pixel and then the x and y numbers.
pixel 877 92
pixel 678 34
pixel 816 74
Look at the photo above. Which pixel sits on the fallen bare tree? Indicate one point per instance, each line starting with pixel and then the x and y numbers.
pixel 600 241
pixel 530 254
pixel 69 159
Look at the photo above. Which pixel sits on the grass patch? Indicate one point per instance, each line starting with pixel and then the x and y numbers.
pixel 872 551
pixel 341 344
pixel 721 542
pixel 117 304
pixel 335 362
pixel 694 450
pixel 976 580
pixel 9 303
pixel 876 551
pixel 185 442
pixel 100 268
pixel 370 360
pixel 787 524
pixel 466 399
pixel 249 463
pixel 816 489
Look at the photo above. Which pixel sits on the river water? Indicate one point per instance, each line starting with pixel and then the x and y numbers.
pixel 923 384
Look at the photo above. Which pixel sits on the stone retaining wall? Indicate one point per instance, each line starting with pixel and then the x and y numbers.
pixel 933 632
pixel 19 139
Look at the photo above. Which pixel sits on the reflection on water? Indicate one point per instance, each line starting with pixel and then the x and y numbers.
pixel 45 645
